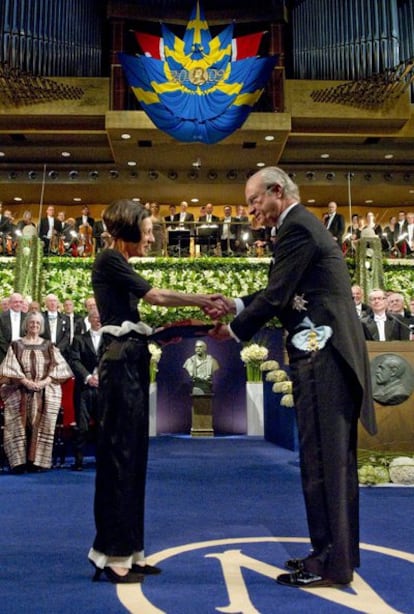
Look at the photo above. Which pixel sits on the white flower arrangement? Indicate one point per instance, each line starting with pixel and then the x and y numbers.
pixel 156 353
pixel 382 468
pixel 402 470
pixel 253 356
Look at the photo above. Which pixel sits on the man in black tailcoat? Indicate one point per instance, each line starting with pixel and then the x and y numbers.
pixel 83 359
pixel 309 290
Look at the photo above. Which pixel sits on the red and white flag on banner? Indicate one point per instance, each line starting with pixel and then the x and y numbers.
pixel 242 47
pixel 152 46
pixel 246 46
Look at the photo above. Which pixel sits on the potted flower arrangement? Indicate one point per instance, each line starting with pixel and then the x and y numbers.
pixel 253 355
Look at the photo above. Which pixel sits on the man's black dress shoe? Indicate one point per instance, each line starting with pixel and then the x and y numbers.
pixel 294 564
pixel 306 579
pixel 147 570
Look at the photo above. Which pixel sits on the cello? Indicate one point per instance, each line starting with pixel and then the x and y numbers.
pixel 85 239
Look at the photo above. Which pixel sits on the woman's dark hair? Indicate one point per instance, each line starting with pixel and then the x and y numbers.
pixel 123 220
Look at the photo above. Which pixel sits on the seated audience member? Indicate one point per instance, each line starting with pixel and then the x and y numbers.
pixel 396 307
pixel 379 325
pixel 31 374
pixel 227 232
pixel 84 363
pixel 4 304
pixel 56 326
pixel 362 309
pixel 76 323
pixel 11 323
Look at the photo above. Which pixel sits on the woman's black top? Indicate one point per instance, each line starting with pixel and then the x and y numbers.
pixel 117 288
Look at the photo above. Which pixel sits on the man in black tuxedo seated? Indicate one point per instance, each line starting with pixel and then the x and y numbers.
pixel 84 363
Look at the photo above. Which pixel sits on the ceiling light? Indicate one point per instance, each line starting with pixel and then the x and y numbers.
pixel 194 200
pixel 269 137
pixel 367 176
pixel 389 156
pixel 232 175
pixel 65 154
pixel 388 176
pixel 261 164
pixel 349 175
pixel 369 201
pixel 18 199
pixel 12 175
pixel 310 175
pixel 53 174
pixel 2 154
pixel 325 156
pixel 132 163
pixel 113 173
pixel 330 176
pixel 152 175
pixel 172 175
pixel 125 136
pixel 292 175
pixel 73 174
pixel 93 174
pixel 407 177
pixel 193 174
pixel 311 200
pixel 136 199
pixel 197 163
pixel 32 174
pixel 77 199
pixel 133 174
pixel 212 175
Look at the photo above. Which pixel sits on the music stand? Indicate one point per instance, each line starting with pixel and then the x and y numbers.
pixel 207 236
pixel 179 241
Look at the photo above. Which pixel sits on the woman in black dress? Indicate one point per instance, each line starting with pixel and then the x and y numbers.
pixel 122 449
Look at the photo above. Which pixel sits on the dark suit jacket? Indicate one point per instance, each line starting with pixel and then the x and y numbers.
pixel 6 332
pixel 82 357
pixel 393 328
pixel 62 332
pixel 44 227
pixel 337 227
pixel 188 220
pixel 307 264
pixel 79 222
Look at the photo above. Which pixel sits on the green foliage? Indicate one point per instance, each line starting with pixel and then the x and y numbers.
pixel 71 277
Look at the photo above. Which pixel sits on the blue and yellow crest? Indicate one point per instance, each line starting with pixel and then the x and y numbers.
pixel 196 88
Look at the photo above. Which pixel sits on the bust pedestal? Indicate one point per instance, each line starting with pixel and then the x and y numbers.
pixel 202 415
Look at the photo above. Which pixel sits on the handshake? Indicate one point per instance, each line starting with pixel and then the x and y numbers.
pixel 216 308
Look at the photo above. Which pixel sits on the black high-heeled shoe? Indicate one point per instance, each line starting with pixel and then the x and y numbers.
pixel 147 570
pixel 132 577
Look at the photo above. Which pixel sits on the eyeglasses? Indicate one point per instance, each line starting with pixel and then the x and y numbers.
pixel 255 197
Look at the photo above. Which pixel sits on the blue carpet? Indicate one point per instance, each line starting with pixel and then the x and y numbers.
pixel 222 516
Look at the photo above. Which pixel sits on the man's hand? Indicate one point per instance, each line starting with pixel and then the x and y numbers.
pixel 221 306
